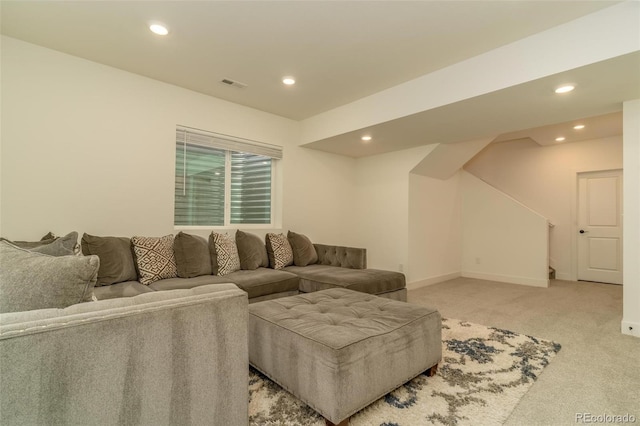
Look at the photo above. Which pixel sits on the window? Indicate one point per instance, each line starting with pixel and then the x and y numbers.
pixel 221 180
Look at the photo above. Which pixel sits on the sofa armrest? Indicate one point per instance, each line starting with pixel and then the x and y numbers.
pixel 168 357
pixel 344 257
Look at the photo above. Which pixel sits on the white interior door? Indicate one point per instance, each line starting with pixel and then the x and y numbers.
pixel 600 226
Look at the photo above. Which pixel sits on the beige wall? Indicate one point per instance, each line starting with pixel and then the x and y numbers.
pixel 502 240
pixel 382 206
pixel 631 224
pixel 435 232
pixel 91 148
pixel 544 179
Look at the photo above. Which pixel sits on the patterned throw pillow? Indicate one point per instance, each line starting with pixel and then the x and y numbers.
pixel 279 251
pixel 154 258
pixel 226 254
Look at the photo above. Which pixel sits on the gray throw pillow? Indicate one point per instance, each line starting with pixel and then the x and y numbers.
pixel 63 246
pixel 192 255
pixel 116 258
pixel 304 253
pixel 47 239
pixel 30 281
pixel 279 251
pixel 252 251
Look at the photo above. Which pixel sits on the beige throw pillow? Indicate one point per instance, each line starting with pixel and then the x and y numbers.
pixel 279 251
pixel 154 258
pixel 226 254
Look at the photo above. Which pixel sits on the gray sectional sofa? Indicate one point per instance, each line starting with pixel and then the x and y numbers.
pixel 332 267
pixel 158 358
pixel 165 340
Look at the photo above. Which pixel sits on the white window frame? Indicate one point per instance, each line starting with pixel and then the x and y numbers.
pixel 241 144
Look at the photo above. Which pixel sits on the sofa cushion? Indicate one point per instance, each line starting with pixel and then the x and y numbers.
pixel 116 258
pixel 185 283
pixel 264 281
pixel 154 258
pixel 224 249
pixel 30 281
pixel 192 255
pixel 125 289
pixel 252 251
pixel 372 281
pixel 279 251
pixel 304 253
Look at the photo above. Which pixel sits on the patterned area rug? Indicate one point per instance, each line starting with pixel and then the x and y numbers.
pixel 483 374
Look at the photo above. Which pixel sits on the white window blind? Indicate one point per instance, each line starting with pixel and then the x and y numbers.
pixel 221 180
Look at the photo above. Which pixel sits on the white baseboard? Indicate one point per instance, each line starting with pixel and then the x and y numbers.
pixel 507 279
pixel 631 328
pixel 432 280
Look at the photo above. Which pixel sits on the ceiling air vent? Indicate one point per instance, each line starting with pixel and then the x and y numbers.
pixel 233 83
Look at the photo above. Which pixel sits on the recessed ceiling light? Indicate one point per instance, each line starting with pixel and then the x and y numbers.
pixel 578 127
pixel 560 139
pixel 565 89
pixel 159 29
pixel 289 81
pixel 366 138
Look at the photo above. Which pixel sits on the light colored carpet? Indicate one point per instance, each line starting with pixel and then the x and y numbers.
pixel 483 374
pixel 598 369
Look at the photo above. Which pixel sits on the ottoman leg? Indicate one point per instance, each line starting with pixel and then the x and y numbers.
pixel 345 422
pixel 432 371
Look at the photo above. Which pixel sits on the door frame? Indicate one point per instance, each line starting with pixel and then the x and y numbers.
pixel 574 217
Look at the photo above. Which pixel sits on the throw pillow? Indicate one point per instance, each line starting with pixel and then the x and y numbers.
pixel 252 251
pixel 63 246
pixel 154 258
pixel 279 251
pixel 116 258
pixel 192 255
pixel 225 252
pixel 51 245
pixel 30 281
pixel 48 236
pixel 47 239
pixel 304 253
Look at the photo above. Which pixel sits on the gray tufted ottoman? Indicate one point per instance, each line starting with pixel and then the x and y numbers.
pixel 340 350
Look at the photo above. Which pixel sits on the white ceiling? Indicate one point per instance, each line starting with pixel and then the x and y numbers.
pixel 504 114
pixel 338 51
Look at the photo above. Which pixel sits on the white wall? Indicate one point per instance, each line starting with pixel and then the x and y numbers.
pixel 631 223
pixel 91 148
pixel 382 206
pixel 502 240
pixel 435 236
pixel 319 200
pixel 544 179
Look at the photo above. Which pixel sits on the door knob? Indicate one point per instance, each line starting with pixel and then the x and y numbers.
pixel 582 231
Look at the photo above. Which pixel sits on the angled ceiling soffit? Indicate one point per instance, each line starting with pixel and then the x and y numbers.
pixel 446 159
